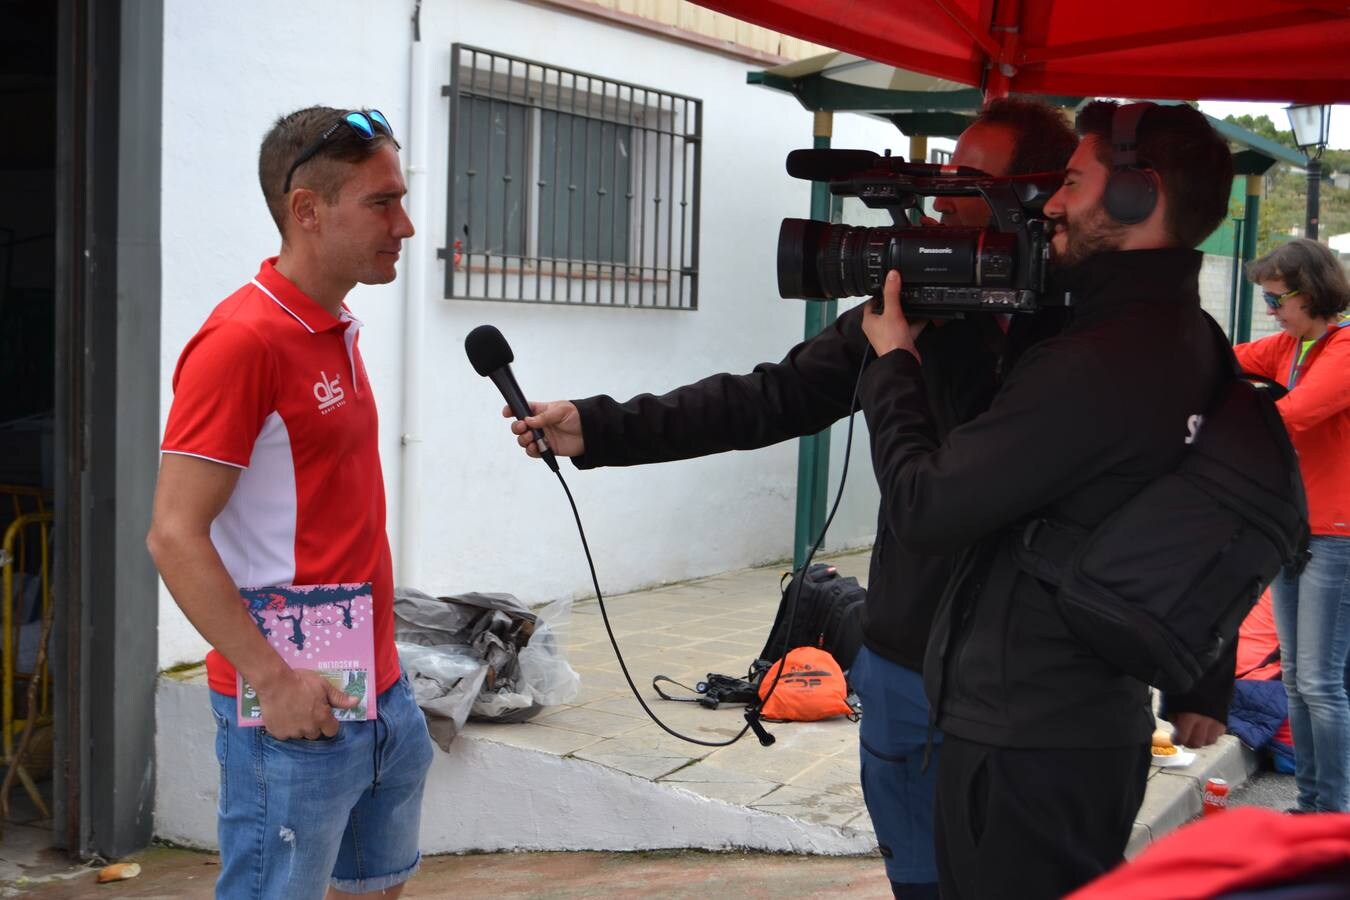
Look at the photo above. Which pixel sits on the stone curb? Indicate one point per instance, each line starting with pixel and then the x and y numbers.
pixel 1174 795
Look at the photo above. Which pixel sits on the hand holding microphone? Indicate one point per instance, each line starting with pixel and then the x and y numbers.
pixel 491 357
pixel 558 420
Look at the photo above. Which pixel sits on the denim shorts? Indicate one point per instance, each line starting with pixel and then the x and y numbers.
pixel 296 815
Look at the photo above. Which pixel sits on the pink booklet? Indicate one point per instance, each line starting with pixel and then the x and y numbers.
pixel 326 627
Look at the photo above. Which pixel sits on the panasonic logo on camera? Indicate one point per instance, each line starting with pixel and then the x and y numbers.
pixel 935 250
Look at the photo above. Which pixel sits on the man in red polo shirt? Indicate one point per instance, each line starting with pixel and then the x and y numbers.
pixel 271 477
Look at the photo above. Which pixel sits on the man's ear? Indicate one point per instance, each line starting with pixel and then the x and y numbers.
pixel 303 209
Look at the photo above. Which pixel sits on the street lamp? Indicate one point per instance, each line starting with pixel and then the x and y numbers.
pixel 1311 125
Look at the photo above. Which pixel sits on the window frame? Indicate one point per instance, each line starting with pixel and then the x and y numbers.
pixel 663 133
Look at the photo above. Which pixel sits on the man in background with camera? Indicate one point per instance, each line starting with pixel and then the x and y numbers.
pixel 1046 747
pixel 809 390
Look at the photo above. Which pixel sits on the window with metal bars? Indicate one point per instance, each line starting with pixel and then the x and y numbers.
pixel 570 188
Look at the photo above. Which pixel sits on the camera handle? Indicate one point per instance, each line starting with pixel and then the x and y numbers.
pixel 878 304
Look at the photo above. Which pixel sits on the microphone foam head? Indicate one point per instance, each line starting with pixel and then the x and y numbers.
pixel 827 165
pixel 488 351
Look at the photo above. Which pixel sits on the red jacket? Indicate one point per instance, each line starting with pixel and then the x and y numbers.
pixel 1241 849
pixel 1317 413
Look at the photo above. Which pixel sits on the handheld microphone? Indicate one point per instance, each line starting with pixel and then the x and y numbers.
pixel 491 357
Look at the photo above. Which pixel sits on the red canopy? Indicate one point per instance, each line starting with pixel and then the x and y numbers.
pixel 1276 50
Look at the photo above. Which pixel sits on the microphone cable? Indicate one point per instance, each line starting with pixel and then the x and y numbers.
pixel 752 711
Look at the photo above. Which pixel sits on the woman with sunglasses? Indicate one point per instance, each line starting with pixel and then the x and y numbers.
pixel 1306 291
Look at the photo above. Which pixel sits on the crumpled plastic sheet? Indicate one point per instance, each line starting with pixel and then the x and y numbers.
pixel 481 655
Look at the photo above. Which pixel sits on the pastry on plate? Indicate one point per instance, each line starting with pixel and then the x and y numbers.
pixel 1162 744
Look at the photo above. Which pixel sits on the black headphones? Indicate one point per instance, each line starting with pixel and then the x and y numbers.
pixel 1131 192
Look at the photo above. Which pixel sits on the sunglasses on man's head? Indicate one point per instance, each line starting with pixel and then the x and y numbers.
pixel 1275 301
pixel 366 123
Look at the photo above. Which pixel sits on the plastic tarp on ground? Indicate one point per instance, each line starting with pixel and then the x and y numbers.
pixel 1274 50
pixel 483 655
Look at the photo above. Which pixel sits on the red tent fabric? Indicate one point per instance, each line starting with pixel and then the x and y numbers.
pixel 1245 848
pixel 1275 50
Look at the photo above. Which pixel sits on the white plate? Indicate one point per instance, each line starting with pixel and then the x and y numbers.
pixel 1180 758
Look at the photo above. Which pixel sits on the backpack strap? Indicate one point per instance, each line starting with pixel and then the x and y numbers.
pixel 1303 361
pixel 700 690
pixel 718 689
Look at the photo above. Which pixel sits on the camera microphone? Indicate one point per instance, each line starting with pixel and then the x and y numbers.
pixel 491 357
pixel 827 165
pixel 835 165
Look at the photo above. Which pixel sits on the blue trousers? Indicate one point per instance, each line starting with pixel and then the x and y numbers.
pixel 898 792
pixel 1312 618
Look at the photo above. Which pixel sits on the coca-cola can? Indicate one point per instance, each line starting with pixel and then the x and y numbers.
pixel 1216 796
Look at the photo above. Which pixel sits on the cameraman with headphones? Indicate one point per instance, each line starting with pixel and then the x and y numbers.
pixel 809 389
pixel 1046 746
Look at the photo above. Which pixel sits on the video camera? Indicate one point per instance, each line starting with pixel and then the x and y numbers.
pixel 945 271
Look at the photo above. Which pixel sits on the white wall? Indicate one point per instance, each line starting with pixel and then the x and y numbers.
pixel 1216 296
pixel 492 519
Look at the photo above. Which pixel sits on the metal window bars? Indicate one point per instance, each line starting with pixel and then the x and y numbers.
pixel 566 187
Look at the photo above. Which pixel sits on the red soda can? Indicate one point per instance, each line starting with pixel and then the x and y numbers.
pixel 1216 796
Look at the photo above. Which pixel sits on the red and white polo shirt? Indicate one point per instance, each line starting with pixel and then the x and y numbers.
pixel 274 384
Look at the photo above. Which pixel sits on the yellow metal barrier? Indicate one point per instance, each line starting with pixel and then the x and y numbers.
pixel 27 540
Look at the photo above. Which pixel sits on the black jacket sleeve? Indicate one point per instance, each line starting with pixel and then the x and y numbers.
pixel 808 390
pixel 1212 694
pixel 1046 433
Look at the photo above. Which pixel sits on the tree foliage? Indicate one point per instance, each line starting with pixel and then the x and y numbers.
pixel 1285 201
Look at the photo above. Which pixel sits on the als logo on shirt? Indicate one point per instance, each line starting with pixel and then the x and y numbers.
pixel 329 393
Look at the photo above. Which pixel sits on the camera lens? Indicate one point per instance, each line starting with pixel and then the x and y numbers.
pixel 797 276
pixel 821 261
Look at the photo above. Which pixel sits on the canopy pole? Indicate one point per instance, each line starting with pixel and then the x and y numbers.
pixel 1007 25
pixel 1238 223
pixel 1243 332
pixel 918 152
pixel 996 85
pixel 813 451
pixel 918 148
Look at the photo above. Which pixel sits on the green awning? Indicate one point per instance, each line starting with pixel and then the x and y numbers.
pixel 914 103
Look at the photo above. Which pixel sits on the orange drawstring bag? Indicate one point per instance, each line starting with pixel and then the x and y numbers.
pixel 812 688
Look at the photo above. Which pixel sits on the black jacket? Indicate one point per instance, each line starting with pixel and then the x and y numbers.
pixel 1083 420
pixel 811 388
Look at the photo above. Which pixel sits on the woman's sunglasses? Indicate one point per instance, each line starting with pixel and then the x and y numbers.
pixel 1275 301
pixel 367 124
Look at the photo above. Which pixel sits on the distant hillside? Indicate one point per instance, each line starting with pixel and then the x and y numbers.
pixel 1284 205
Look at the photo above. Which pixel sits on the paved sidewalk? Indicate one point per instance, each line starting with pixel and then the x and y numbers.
pixel 809 776
pixel 719 624
pixel 686 631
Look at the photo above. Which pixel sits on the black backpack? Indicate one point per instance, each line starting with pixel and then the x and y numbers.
pixel 829 615
pixel 1161 585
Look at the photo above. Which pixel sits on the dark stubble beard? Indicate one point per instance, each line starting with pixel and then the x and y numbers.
pixel 1088 235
